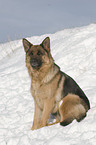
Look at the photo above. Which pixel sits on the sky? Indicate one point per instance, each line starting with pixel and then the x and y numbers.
pixel 26 18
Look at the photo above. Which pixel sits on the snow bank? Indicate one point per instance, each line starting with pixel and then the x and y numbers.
pixel 74 50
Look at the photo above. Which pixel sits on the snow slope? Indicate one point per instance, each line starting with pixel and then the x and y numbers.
pixel 74 50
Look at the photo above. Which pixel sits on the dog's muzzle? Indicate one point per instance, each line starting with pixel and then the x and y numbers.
pixel 35 63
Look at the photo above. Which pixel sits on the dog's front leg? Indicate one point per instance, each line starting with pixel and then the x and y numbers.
pixel 37 117
pixel 48 106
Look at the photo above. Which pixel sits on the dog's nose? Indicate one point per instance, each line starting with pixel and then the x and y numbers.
pixel 35 63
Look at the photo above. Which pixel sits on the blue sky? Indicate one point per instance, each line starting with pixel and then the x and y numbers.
pixel 25 18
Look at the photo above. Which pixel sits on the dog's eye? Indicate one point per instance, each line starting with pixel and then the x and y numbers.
pixel 39 53
pixel 31 53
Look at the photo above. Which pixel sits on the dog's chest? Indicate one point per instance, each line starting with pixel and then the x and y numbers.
pixel 38 94
pixel 41 91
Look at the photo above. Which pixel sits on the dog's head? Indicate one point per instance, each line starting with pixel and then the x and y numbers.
pixel 38 57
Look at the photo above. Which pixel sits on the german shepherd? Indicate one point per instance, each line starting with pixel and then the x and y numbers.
pixel 54 92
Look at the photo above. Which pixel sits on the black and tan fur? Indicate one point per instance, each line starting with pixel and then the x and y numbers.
pixel 54 92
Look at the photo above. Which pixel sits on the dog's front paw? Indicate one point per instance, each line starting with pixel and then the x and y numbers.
pixel 35 127
pixel 32 128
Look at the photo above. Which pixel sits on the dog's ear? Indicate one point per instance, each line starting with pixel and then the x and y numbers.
pixel 46 44
pixel 26 44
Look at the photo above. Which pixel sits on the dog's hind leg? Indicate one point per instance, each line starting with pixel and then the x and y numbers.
pixel 70 109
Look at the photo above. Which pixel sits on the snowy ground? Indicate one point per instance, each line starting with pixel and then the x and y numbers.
pixel 74 50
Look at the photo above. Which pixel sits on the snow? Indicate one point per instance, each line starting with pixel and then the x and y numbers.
pixel 74 50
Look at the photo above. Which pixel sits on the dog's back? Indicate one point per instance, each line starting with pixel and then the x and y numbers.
pixel 70 86
pixel 74 104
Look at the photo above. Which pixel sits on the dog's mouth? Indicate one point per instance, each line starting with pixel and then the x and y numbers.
pixel 35 63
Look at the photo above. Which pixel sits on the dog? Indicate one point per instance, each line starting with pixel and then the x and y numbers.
pixel 54 92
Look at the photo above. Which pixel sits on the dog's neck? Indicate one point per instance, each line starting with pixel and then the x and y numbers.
pixel 51 74
pixel 44 78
